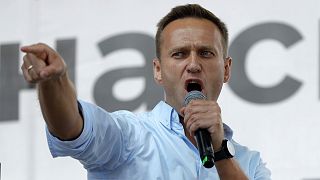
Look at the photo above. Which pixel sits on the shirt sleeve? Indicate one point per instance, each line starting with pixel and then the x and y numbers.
pixel 257 168
pixel 262 172
pixel 103 141
pixel 251 163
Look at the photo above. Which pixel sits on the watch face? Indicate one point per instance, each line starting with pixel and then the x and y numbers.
pixel 231 148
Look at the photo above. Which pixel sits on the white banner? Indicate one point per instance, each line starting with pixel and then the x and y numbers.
pixel 271 103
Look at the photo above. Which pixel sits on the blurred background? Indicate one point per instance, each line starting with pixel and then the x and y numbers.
pixel 272 102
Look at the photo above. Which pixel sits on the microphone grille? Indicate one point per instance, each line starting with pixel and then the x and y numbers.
pixel 193 95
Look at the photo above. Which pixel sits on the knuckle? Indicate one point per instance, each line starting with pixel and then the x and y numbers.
pixel 40 44
pixel 194 126
pixel 217 123
pixel 216 107
pixel 24 58
pixel 218 116
pixel 187 112
pixel 194 102
pixel 197 124
pixel 188 126
pixel 193 118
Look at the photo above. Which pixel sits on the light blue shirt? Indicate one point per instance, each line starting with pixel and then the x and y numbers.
pixel 151 145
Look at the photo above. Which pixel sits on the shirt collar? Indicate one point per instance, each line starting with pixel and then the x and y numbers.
pixel 165 114
pixel 169 117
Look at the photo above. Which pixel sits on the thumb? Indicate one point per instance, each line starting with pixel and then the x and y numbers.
pixel 40 50
pixel 50 71
pixel 44 74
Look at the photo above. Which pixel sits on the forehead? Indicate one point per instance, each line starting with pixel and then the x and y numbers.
pixel 191 32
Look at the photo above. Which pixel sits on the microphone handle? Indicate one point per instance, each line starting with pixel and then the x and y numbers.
pixel 203 139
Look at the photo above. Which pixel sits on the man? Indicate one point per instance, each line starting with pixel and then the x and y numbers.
pixel 191 46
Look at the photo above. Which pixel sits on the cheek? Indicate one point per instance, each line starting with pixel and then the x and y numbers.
pixel 215 75
pixel 171 80
pixel 169 73
pixel 215 69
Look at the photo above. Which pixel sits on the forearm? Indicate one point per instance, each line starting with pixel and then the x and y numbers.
pixel 228 169
pixel 59 107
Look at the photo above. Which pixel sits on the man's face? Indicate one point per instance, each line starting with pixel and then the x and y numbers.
pixel 191 58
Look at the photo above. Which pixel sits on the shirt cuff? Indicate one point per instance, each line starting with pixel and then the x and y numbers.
pixel 59 147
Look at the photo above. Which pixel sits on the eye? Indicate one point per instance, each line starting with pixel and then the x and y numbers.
pixel 178 55
pixel 206 54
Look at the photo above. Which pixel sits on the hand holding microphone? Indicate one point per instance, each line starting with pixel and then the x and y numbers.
pixel 203 119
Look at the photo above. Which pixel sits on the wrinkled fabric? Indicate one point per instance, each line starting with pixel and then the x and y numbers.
pixel 152 145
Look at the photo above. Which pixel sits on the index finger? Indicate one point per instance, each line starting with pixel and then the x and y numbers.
pixel 39 50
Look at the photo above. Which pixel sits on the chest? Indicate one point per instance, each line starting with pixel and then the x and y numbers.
pixel 169 155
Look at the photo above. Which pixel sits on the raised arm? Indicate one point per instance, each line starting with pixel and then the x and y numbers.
pixel 45 67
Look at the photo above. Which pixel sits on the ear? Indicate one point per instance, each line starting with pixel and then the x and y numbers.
pixel 157 71
pixel 227 69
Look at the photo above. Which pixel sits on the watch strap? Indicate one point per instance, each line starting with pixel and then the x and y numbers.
pixel 223 153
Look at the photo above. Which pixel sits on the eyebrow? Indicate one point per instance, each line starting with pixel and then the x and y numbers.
pixel 179 48
pixel 207 48
pixel 201 47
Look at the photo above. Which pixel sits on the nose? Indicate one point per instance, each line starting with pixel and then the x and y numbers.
pixel 194 65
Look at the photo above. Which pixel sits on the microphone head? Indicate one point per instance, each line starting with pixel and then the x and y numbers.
pixel 193 95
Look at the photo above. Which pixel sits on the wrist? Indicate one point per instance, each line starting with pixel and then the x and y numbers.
pixel 226 151
pixel 217 146
pixel 217 143
pixel 53 81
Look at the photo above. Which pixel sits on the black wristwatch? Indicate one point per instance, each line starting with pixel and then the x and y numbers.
pixel 227 151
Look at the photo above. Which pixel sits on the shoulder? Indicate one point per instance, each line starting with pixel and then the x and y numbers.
pixel 243 153
pixel 141 120
pixel 251 161
pixel 141 117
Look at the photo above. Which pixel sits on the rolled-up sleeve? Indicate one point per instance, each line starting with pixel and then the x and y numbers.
pixel 101 142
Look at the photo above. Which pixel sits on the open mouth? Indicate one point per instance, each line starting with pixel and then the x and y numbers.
pixel 193 86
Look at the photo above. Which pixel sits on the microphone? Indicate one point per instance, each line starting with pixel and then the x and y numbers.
pixel 202 135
